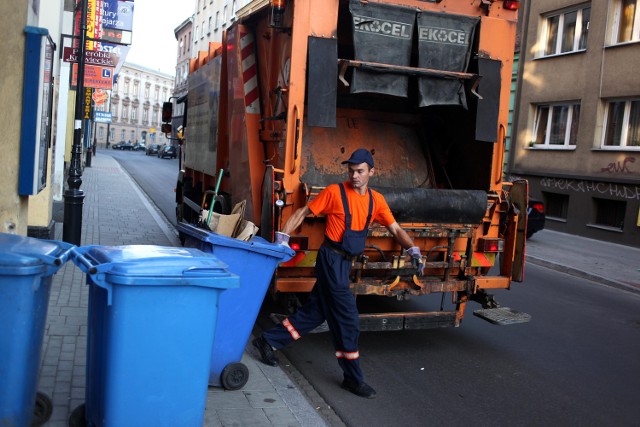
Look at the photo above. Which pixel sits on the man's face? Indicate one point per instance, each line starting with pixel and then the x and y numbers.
pixel 359 175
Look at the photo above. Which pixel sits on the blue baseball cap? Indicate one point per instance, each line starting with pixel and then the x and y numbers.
pixel 361 155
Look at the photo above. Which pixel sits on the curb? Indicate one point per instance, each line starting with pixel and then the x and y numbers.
pixel 583 274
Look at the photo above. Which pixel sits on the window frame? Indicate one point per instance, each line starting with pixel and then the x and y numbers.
pixel 577 36
pixel 624 137
pixel 551 106
pixel 614 28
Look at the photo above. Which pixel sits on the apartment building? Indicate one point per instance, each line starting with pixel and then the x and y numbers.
pixel 136 106
pixel 576 135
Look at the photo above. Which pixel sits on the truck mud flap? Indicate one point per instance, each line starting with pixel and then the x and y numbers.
pixel 407 321
pixel 502 316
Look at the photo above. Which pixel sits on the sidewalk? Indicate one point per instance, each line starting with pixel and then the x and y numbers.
pixel 112 213
pixel 603 262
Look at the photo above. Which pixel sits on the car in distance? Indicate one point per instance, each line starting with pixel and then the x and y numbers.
pixel 535 217
pixel 152 149
pixel 118 145
pixel 139 147
pixel 168 151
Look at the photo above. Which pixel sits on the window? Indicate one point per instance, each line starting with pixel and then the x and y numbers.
pixel 126 87
pixel 233 10
pixel 145 114
pixel 112 134
pixel 202 30
pixel 556 205
pixel 156 93
pixel 609 213
pixel 100 132
pixel 133 113
pixel 135 88
pixel 122 134
pixel 124 112
pixel 146 91
pixel 209 27
pixel 224 16
pixel 566 31
pixel 196 33
pixel 556 125
pixel 626 22
pixel 217 19
pixel 133 135
pixel 622 124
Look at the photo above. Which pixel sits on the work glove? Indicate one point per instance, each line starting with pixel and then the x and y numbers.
pixel 282 238
pixel 416 259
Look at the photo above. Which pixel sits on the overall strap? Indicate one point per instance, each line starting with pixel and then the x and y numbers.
pixel 347 213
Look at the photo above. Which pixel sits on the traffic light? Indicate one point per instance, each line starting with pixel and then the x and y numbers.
pixel 167 113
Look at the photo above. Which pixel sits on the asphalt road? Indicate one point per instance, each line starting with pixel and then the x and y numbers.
pixel 157 177
pixel 575 364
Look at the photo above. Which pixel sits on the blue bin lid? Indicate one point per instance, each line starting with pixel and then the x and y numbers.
pixel 153 265
pixel 21 255
pixel 256 244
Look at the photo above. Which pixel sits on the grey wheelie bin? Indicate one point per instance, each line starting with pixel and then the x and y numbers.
pixel 27 266
pixel 152 314
pixel 254 261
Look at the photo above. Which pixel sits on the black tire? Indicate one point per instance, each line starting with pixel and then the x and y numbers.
pixel 77 418
pixel 234 376
pixel 42 410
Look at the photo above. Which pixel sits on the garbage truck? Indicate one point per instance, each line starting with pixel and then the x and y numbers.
pixel 295 86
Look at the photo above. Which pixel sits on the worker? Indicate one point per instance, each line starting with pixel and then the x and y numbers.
pixel 349 208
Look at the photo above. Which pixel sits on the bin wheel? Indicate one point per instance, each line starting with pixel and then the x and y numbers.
pixel 234 376
pixel 42 410
pixel 77 418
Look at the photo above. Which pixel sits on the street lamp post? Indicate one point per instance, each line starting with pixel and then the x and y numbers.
pixel 74 196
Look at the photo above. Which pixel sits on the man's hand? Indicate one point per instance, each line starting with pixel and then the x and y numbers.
pixel 282 238
pixel 416 259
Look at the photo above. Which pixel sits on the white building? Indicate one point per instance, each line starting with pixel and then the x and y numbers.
pixel 136 106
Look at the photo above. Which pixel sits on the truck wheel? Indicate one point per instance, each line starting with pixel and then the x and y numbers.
pixel 234 376
pixel 77 418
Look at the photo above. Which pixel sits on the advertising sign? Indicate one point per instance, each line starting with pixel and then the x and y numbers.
pixel 95 76
pixel 91 57
pixel 102 116
pixel 117 21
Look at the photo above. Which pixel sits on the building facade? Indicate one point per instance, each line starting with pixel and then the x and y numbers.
pixel 184 36
pixel 211 19
pixel 577 118
pixel 136 107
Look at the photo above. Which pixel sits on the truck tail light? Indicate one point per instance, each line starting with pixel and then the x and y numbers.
pixel 488 244
pixel 511 4
pixel 538 206
pixel 299 244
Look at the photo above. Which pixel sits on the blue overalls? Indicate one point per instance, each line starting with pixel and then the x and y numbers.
pixel 331 299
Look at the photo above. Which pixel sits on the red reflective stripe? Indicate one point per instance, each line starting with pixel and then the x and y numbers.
pixel 353 355
pixel 291 329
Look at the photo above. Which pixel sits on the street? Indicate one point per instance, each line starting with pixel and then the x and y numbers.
pixel 575 363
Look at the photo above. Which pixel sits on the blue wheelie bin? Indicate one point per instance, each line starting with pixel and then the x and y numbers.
pixel 27 266
pixel 152 315
pixel 254 261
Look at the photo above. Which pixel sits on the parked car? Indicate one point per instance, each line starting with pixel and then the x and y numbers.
pixel 152 149
pixel 122 145
pixel 168 151
pixel 535 217
pixel 139 147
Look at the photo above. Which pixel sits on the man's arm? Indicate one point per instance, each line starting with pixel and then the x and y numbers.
pixel 296 219
pixel 400 235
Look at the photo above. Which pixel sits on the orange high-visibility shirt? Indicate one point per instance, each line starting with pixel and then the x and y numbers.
pixel 329 203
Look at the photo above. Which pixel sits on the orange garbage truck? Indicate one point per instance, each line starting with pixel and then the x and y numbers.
pixel 295 86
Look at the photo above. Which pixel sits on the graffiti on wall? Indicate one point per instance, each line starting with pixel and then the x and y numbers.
pixel 619 167
pixel 629 192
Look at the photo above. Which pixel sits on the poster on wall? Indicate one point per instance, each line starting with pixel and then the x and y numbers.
pixel 35 135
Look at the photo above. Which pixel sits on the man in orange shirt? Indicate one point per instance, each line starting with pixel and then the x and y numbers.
pixel 349 207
